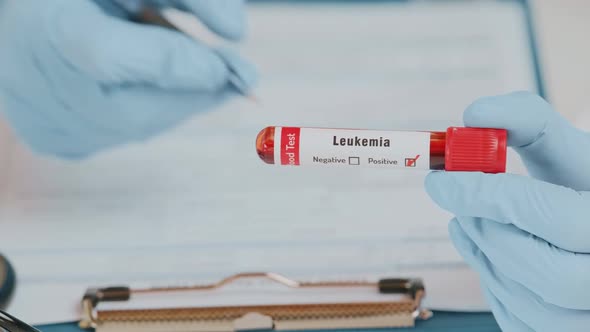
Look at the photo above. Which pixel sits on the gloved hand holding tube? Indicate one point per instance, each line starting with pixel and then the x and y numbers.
pixel 527 237
pixel 78 77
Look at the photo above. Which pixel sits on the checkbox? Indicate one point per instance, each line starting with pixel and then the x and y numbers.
pixel 411 162
pixel 354 160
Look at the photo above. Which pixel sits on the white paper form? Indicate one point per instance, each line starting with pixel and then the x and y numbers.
pixel 197 204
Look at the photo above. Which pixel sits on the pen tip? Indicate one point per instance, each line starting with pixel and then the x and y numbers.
pixel 253 98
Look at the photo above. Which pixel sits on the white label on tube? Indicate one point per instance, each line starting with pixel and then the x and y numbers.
pixel 353 148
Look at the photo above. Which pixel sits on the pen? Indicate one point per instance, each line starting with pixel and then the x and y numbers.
pixel 152 15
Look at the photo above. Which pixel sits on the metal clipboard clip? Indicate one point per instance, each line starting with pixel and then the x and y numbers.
pixel 274 302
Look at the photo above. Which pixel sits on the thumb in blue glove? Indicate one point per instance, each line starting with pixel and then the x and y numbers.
pixel 527 237
pixel 76 79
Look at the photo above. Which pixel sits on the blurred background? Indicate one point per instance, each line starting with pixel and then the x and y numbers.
pixel 565 61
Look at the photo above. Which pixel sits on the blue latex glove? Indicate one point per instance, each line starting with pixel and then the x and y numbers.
pixel 527 237
pixel 76 77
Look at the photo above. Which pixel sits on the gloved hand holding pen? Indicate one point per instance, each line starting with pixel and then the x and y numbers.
pixel 527 237
pixel 77 77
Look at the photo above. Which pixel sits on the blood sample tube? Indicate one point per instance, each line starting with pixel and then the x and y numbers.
pixel 456 149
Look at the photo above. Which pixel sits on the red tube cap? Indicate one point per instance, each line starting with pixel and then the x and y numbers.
pixel 476 149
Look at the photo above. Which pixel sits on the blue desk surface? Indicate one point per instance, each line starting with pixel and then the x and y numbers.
pixel 441 322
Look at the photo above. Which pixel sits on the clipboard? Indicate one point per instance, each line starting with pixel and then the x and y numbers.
pixel 276 303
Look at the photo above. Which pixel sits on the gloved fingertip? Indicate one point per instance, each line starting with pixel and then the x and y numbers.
pixel 225 18
pixel 437 186
pixel 454 227
pixel 433 181
pixel 233 30
pixel 480 113
pixel 196 68
pixel 48 148
pixel 474 228
pixel 490 111
pixel 506 320
pixel 232 26
pixel 461 241
pixel 74 156
pixel 245 70
pixel 522 113
pixel 458 236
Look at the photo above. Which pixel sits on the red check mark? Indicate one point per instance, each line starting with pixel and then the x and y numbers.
pixel 410 162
